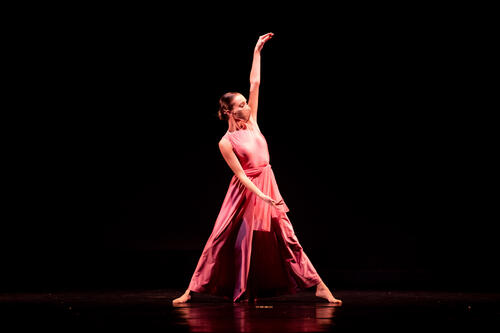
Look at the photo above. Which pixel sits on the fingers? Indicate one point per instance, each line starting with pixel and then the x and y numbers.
pixel 266 37
pixel 277 203
pixel 274 202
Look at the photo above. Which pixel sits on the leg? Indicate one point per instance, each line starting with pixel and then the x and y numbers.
pixel 301 265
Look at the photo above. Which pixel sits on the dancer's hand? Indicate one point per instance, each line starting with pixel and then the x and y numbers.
pixel 262 40
pixel 272 202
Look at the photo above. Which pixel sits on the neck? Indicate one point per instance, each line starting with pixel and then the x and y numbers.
pixel 236 124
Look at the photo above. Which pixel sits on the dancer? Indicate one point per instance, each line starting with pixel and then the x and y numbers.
pixel 252 250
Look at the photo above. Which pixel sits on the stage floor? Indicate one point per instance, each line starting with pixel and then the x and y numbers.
pixel 143 310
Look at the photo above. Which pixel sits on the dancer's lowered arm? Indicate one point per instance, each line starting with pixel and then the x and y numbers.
pixel 226 149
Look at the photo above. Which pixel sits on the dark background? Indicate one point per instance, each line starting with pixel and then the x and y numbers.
pixel 372 116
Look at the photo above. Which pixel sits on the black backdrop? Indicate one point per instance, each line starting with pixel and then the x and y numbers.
pixel 117 178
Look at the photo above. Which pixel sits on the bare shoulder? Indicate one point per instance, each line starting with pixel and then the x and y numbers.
pixel 225 144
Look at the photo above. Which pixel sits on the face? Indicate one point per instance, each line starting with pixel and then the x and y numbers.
pixel 241 109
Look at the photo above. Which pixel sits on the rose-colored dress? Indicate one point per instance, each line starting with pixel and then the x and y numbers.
pixel 253 246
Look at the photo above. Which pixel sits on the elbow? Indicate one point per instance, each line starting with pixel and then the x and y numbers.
pixel 254 83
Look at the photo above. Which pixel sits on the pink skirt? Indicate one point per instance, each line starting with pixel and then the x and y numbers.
pixel 253 247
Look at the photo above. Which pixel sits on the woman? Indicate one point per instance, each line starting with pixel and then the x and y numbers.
pixel 253 250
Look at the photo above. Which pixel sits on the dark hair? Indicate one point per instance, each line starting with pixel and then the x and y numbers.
pixel 226 104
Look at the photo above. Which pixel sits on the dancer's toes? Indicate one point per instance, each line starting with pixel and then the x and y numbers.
pixel 335 300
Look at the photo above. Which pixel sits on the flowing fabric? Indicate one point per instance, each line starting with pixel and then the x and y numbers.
pixel 253 247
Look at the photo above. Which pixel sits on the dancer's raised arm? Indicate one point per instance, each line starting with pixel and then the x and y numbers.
pixel 253 99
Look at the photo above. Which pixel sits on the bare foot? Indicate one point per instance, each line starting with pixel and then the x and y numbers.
pixel 183 299
pixel 323 292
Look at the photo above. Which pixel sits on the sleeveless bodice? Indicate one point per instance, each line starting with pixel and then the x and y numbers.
pixel 250 146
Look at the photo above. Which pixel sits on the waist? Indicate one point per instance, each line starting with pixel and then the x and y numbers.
pixel 256 171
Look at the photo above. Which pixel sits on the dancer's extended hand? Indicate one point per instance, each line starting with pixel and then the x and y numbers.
pixel 262 40
pixel 271 201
